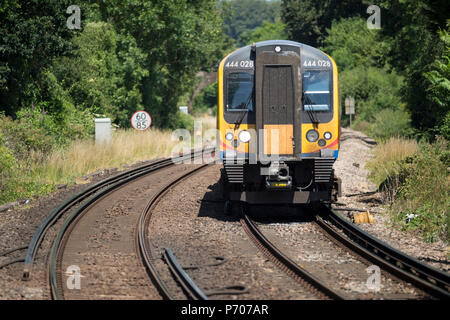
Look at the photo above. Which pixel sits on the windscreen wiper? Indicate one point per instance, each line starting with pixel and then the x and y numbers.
pixel 310 113
pixel 244 112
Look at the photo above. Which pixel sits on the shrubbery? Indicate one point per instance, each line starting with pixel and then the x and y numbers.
pixel 417 183
pixel 373 89
pixel 390 123
pixel 206 99
pixel 7 159
pixel 183 121
pixel 26 143
pixel 425 194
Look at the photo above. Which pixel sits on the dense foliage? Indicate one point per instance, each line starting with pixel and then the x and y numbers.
pixel 307 20
pixel 268 31
pixel 242 16
pixel 127 56
pixel 424 194
pixel 411 28
pixel 32 34
pixel 113 66
pixel 407 59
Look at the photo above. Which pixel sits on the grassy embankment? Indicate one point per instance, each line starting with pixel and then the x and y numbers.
pixel 39 173
pixel 415 179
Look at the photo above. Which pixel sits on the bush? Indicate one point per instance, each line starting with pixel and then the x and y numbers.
pixel 207 98
pixel 415 179
pixel 390 123
pixel 425 193
pixel 18 145
pixel 7 159
pixel 373 89
pixel 23 137
pixel 444 129
pixel 182 121
pixel 389 160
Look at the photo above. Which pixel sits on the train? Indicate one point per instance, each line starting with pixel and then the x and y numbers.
pixel 278 121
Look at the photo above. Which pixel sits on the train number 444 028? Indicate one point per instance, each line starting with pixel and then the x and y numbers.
pixel 317 63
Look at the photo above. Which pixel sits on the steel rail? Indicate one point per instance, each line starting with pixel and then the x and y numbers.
pixel 76 199
pixel 132 175
pixel 427 278
pixel 183 278
pixel 297 272
pixel 143 243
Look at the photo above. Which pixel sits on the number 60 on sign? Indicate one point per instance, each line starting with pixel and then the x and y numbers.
pixel 141 120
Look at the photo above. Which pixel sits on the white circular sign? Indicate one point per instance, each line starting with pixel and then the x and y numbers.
pixel 141 120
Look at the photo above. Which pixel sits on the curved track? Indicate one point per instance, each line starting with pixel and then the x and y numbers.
pixel 58 212
pixel 96 193
pixel 297 272
pixel 144 248
pixel 433 281
pixel 430 280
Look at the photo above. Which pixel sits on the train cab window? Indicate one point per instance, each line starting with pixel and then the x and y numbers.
pixel 239 91
pixel 316 90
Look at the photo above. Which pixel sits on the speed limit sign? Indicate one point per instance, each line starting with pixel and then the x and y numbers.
pixel 141 120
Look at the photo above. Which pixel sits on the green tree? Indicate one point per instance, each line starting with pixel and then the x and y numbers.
pixel 364 74
pixel 352 44
pixel 179 38
pixel 104 73
pixel 411 27
pixel 207 98
pixel 245 15
pixel 374 89
pixel 307 20
pixel 268 31
pixel 439 84
pixel 32 33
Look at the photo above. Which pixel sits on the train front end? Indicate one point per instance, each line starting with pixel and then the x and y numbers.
pixel 278 118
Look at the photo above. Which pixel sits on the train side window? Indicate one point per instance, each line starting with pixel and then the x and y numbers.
pixel 239 91
pixel 316 90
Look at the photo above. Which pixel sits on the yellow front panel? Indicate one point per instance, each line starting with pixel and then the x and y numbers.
pixel 332 126
pixel 278 139
pixel 285 132
pixel 224 126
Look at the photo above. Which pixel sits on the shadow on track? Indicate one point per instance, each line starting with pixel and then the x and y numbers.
pixel 213 206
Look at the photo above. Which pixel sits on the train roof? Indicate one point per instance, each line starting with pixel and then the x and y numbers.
pixel 306 50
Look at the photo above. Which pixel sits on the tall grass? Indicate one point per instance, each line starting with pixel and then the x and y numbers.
pixel 416 181
pixel 85 156
pixel 425 193
pixel 388 157
pixel 39 173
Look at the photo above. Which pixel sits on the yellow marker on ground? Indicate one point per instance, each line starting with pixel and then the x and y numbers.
pixel 363 217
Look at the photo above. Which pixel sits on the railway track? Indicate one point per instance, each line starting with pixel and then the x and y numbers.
pixel 366 247
pixel 147 255
pixel 297 272
pixel 430 280
pixel 82 201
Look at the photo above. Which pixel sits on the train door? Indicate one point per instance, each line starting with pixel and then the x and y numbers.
pixel 278 103
pixel 278 109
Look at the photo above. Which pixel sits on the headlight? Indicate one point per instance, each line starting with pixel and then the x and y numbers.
pixel 327 135
pixel 322 143
pixel 229 136
pixel 244 136
pixel 312 135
